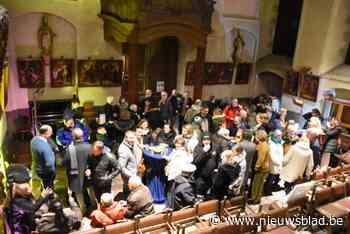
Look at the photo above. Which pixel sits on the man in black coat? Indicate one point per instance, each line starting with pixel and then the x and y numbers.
pixel 203 120
pixel 251 155
pixel 102 167
pixel 227 174
pixel 75 160
pixel 184 188
pixel 206 158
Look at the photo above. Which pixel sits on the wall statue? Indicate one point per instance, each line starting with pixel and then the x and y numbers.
pixel 238 47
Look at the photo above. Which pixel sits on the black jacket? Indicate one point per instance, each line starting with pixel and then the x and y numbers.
pixel 103 169
pixel 167 138
pixel 208 117
pixel 221 142
pixel 184 192
pixel 166 110
pixel 227 174
pixel 206 162
pixel 20 214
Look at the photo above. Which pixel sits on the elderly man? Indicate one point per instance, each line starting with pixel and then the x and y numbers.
pixel 43 157
pixel 75 160
pixel 139 201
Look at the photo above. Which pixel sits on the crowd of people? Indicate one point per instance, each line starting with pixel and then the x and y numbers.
pixel 218 148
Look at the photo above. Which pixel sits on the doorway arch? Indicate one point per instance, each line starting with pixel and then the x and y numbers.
pixel 271 83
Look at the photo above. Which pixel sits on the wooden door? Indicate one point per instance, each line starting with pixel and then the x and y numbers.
pixel 163 65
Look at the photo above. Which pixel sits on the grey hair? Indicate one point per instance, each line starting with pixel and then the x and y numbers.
pixel 135 180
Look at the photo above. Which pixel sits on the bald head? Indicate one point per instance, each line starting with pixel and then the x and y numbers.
pixel 78 134
pixel 45 131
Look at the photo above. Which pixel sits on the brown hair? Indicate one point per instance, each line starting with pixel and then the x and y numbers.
pixel 189 128
pixel 142 121
pixel 261 135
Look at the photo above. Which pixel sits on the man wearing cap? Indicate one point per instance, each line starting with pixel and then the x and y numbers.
pixel 206 158
pixel 64 135
pixel 43 157
pixel 184 188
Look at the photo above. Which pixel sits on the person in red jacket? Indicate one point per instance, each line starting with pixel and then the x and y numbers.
pixel 230 112
pixel 109 211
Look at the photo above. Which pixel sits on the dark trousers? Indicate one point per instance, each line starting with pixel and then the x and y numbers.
pixel 101 190
pixel 48 180
pixel 333 162
pixel 288 186
pixel 170 188
pixel 271 184
pixel 203 185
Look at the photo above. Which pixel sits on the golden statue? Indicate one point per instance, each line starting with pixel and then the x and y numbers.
pixel 238 46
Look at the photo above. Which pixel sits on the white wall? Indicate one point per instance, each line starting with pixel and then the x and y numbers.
pixel 79 35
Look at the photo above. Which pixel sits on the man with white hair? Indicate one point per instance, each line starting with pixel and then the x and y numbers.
pixel 139 201
pixel 75 161
pixel 43 157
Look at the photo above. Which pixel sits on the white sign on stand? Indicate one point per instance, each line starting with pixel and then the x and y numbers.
pixel 160 86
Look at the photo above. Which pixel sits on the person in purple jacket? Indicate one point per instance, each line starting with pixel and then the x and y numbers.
pixel 21 207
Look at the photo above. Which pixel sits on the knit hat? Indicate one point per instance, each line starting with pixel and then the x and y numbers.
pixel 17 173
pixel 206 136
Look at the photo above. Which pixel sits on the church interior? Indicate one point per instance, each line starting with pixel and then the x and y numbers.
pixel 174 116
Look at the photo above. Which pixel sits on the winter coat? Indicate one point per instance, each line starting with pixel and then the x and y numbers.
pixel 20 214
pixel 184 192
pixel 230 113
pixel 107 215
pixel 46 222
pixel 139 202
pixel 166 110
pixel 103 169
pixel 227 174
pixel 206 162
pixel 128 161
pixel 251 154
pixel 332 137
pixel 76 181
pixel 64 135
pixel 276 152
pixel 263 162
pixel 176 160
pixel 167 138
pixel 297 162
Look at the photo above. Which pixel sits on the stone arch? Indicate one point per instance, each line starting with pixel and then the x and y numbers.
pixel 183 31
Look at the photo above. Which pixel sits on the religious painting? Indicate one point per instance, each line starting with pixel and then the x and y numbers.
pixel 309 87
pixel 110 72
pixel 30 73
pixel 62 72
pixel 88 73
pixel 218 73
pixel 190 73
pixel 292 83
pixel 243 73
